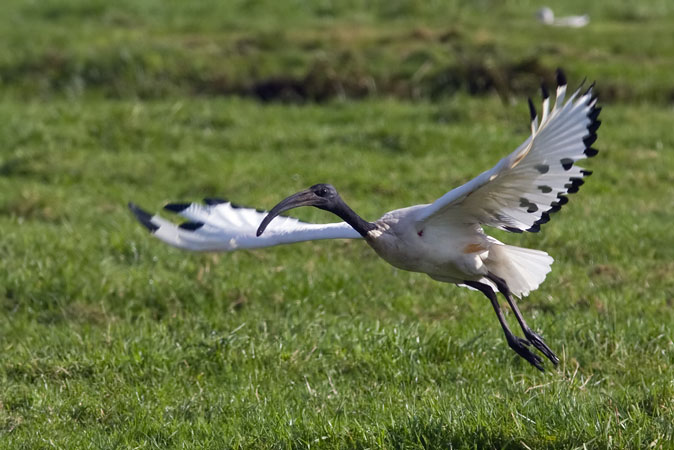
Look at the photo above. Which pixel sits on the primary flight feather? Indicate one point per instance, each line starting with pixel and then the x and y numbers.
pixel 444 239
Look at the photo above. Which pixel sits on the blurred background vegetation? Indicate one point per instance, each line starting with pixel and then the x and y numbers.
pixel 314 51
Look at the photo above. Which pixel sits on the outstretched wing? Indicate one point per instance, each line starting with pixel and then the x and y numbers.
pixel 222 226
pixel 525 187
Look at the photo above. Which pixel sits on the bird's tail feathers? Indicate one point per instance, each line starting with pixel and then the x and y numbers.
pixel 523 269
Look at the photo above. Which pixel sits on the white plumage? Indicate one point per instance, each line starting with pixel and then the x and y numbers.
pixel 443 239
pixel 222 226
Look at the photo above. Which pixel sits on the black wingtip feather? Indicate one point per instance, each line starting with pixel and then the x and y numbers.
pixel 590 152
pixel 574 185
pixel 555 207
pixel 590 139
pixel 594 113
pixel 567 163
pixel 191 226
pixel 214 200
pixel 532 109
pixel 561 78
pixel 177 207
pixel 594 126
pixel 544 91
pixel 545 218
pixel 512 229
pixel 144 217
pixel 535 228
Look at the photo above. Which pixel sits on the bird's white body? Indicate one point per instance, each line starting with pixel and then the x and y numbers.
pixel 436 251
pixel 455 252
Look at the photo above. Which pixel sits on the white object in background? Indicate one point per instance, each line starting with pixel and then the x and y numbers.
pixel 546 16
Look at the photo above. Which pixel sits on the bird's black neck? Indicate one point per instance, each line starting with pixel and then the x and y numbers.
pixel 359 224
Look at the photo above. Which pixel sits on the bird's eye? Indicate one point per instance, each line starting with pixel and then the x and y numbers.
pixel 322 192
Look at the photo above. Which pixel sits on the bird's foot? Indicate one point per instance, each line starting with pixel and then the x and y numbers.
pixel 521 346
pixel 538 342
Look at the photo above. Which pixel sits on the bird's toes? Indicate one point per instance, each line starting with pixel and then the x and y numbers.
pixel 521 347
pixel 537 341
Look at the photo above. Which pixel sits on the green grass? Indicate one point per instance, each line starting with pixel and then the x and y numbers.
pixel 405 48
pixel 111 339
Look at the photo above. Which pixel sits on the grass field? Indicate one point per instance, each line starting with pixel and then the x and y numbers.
pixel 111 339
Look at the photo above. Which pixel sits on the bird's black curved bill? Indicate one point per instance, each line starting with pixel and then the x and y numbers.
pixel 303 198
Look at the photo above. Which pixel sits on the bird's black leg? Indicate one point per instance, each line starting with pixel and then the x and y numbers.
pixel 516 343
pixel 531 336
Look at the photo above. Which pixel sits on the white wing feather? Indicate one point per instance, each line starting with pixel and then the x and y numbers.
pixel 522 190
pixel 223 226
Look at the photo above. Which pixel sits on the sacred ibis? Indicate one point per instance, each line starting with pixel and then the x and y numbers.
pixel 443 239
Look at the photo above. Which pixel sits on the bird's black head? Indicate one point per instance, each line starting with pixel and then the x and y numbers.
pixel 323 196
pixel 325 192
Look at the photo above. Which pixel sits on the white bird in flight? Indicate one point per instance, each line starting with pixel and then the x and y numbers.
pixel 444 239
